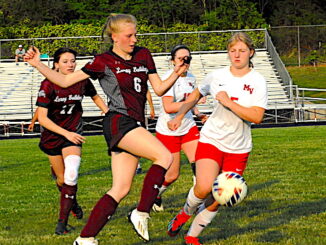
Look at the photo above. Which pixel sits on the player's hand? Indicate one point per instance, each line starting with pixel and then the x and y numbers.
pixel 202 100
pixel 152 114
pixel 32 56
pixel 75 138
pixel 202 117
pixel 181 68
pixel 223 98
pixel 174 124
pixel 30 127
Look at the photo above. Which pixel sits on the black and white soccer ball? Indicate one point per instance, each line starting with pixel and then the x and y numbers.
pixel 229 189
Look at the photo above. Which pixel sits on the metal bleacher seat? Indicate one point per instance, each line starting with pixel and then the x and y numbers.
pixel 19 84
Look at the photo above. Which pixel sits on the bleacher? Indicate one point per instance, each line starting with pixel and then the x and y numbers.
pixel 19 84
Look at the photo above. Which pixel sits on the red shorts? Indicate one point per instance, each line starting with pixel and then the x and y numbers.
pixel 173 143
pixel 227 161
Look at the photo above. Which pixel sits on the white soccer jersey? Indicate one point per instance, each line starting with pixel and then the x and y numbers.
pixel 179 91
pixel 224 129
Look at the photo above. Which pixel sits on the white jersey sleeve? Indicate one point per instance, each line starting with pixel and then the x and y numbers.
pixel 179 91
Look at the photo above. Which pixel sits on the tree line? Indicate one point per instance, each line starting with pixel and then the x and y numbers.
pixel 211 14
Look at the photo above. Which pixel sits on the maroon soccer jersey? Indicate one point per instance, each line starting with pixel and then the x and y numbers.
pixel 124 81
pixel 64 108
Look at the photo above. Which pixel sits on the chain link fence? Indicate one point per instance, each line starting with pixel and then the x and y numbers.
pixel 300 45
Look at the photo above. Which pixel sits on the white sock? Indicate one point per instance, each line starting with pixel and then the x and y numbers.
pixel 192 202
pixel 162 190
pixel 200 222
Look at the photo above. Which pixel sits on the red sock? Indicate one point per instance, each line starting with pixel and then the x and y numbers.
pixel 68 195
pixel 100 215
pixel 165 183
pixel 152 182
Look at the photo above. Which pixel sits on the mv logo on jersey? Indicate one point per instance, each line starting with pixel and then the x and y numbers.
pixel 247 88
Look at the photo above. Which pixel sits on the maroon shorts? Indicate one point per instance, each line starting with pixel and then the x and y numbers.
pixel 227 161
pixel 57 150
pixel 173 143
pixel 115 126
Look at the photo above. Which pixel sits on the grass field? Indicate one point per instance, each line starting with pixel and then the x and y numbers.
pixel 309 77
pixel 286 203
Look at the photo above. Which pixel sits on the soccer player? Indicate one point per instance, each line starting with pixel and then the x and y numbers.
pixel 225 139
pixel 187 135
pixel 59 112
pixel 123 72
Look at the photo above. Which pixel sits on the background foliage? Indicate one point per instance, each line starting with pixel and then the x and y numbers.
pixel 62 18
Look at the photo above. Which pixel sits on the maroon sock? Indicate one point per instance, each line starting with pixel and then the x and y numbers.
pixel 68 194
pixel 100 215
pixel 152 182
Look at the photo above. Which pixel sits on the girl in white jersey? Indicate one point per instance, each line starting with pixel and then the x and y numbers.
pixel 187 135
pixel 225 139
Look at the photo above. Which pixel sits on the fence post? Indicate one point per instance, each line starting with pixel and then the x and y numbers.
pixel 299 49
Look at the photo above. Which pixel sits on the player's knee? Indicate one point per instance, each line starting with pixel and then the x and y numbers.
pixel 172 177
pixel 118 193
pixel 166 159
pixel 201 191
pixel 72 163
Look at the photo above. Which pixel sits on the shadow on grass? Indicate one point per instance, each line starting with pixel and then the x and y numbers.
pixel 227 220
pixel 95 171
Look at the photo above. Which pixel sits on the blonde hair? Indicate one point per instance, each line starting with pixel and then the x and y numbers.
pixel 113 22
pixel 245 38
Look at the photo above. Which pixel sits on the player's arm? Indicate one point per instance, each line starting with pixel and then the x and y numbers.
pixel 151 105
pixel 50 125
pixel 189 103
pixel 202 117
pixel 161 87
pixel 170 106
pixel 34 119
pixel 252 114
pixel 99 102
pixel 33 58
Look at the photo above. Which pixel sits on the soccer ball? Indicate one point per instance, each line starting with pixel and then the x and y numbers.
pixel 229 189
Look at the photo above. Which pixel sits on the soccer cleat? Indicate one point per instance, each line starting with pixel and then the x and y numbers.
pixel 139 220
pixel 139 170
pixel 77 211
pixel 61 228
pixel 85 241
pixel 190 240
pixel 176 224
pixel 158 206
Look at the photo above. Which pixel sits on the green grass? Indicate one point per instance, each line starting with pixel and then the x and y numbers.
pixel 309 77
pixel 286 202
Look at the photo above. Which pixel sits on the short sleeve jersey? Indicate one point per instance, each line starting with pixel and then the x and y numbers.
pixel 124 81
pixel 224 129
pixel 179 91
pixel 64 108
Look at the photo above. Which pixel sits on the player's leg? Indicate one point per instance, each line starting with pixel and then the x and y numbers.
pixel 171 176
pixel 123 170
pixel 57 164
pixel 206 171
pixel 63 166
pixel 72 159
pixel 142 143
pixel 58 167
pixel 189 147
pixel 231 162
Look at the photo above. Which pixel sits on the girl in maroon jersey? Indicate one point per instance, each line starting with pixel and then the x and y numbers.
pixel 123 72
pixel 59 113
